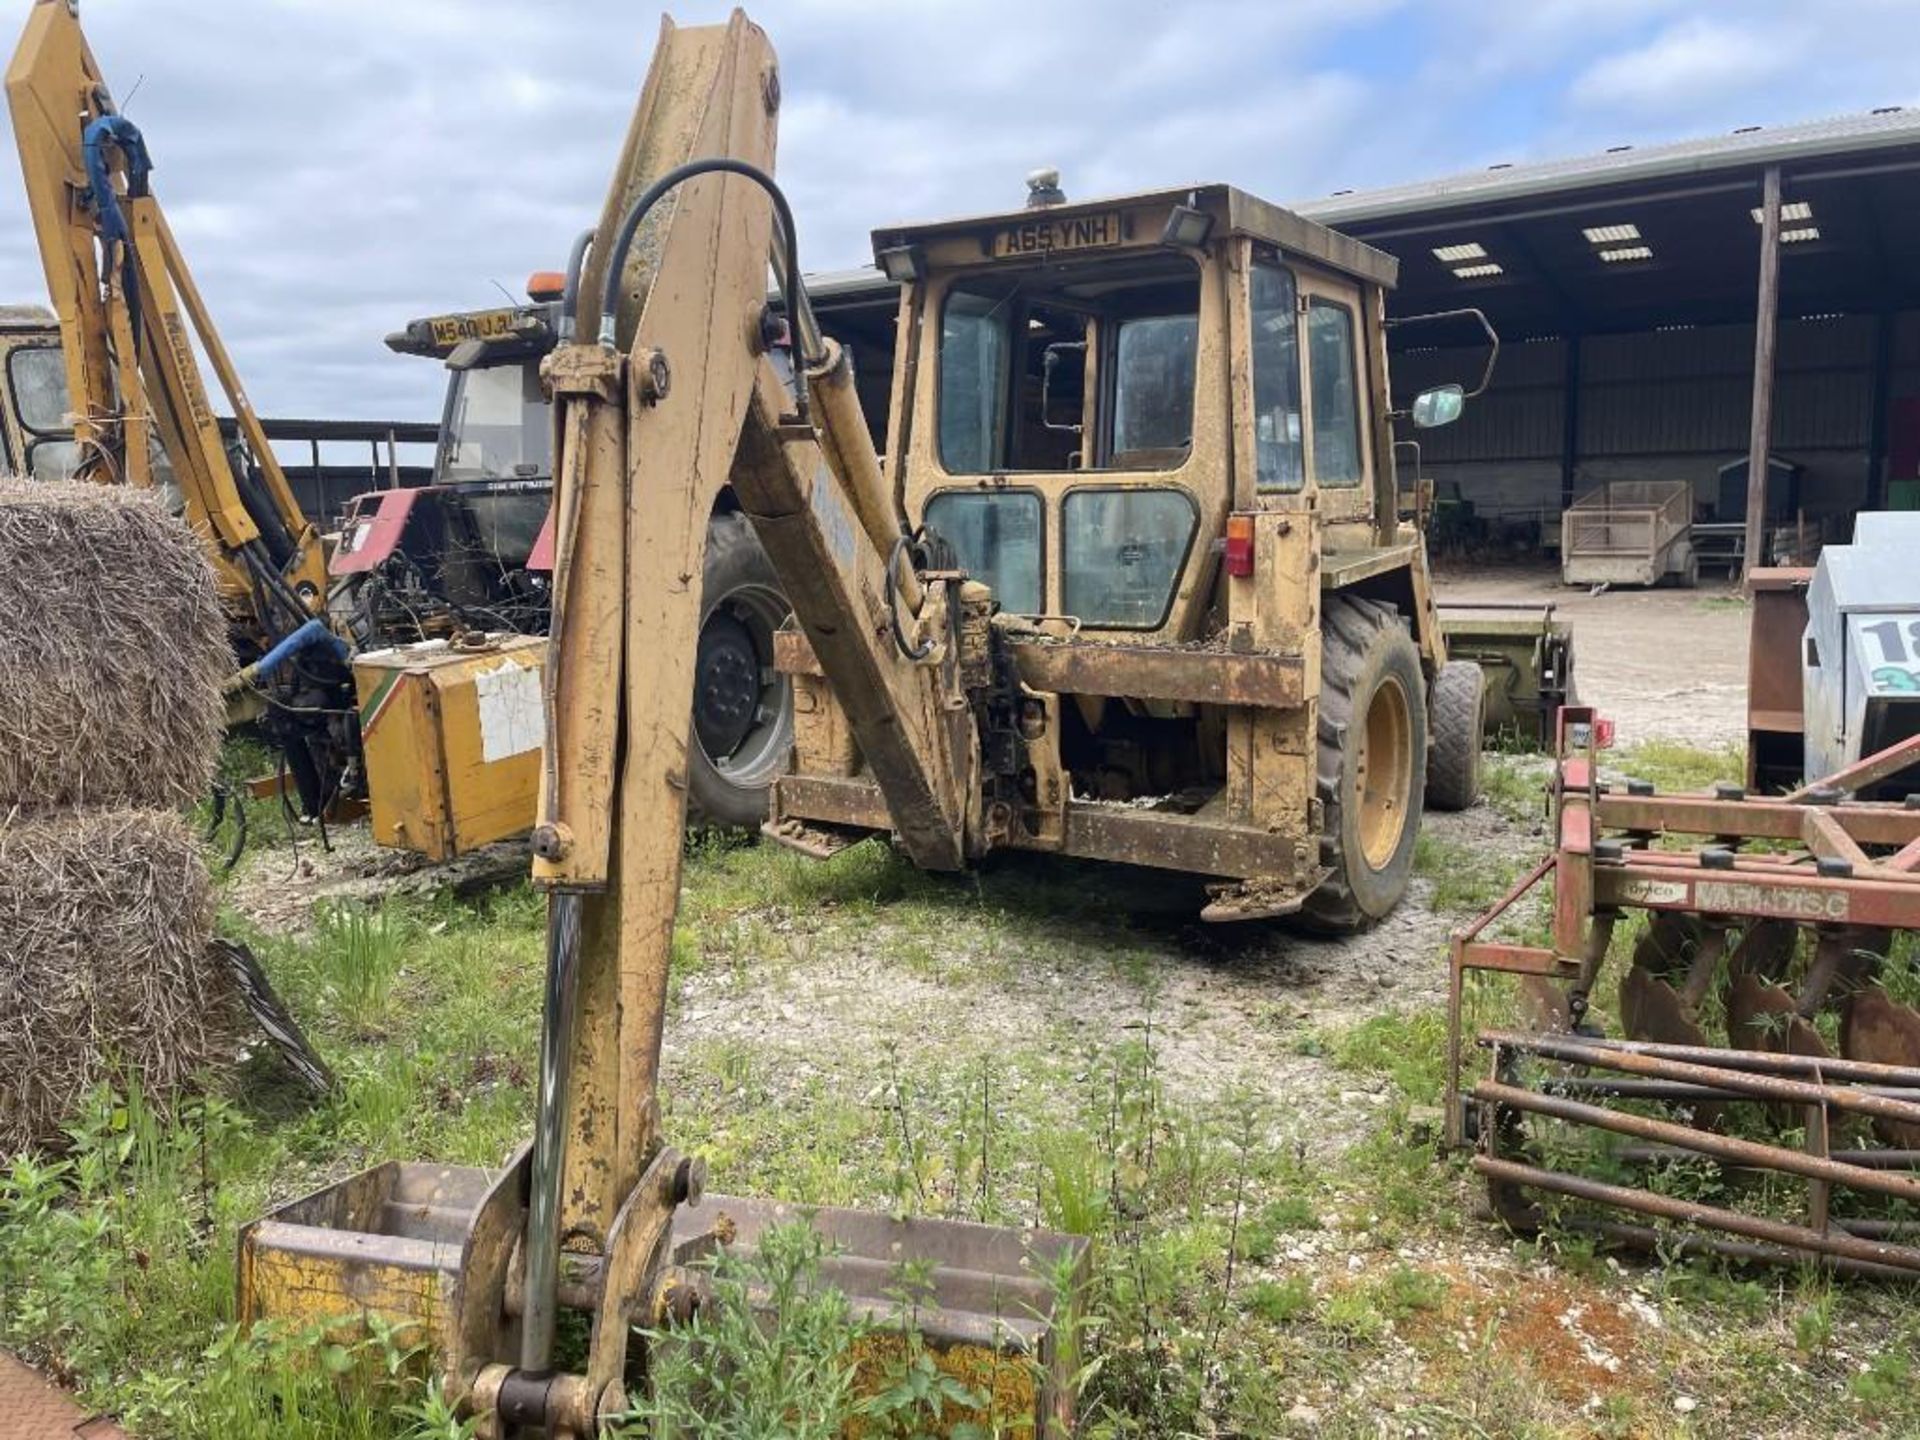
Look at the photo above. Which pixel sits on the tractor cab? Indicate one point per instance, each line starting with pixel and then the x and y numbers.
pixel 1155 429
pixel 464 552
pixel 1097 388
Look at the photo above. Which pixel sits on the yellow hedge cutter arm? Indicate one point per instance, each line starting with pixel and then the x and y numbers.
pixel 130 318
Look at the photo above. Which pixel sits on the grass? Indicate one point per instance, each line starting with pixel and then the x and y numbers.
pixel 1676 767
pixel 1516 786
pixel 1261 1252
pixel 1465 877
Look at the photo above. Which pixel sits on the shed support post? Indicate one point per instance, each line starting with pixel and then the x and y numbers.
pixel 1570 428
pixel 1877 486
pixel 1765 325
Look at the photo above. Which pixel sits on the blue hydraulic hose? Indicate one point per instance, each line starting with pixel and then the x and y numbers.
pixel 314 632
pixel 122 133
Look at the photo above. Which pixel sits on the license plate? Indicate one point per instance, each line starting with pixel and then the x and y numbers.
pixel 1049 237
pixel 450 330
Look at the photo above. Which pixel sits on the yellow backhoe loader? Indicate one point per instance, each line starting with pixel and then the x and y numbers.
pixel 1132 584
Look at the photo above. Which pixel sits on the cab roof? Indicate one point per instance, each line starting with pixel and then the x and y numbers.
pixel 1240 212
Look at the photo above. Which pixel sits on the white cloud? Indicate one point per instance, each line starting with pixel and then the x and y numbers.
pixel 1698 62
pixel 336 167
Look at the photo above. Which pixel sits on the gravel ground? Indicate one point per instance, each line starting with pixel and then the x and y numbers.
pixel 1664 664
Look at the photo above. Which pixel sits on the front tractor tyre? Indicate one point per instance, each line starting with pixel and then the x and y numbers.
pixel 1456 729
pixel 1372 763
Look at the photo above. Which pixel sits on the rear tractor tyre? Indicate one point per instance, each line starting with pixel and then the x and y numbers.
pixel 1373 763
pixel 1456 730
pixel 742 707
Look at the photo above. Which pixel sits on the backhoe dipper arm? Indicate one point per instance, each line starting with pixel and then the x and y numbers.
pixel 680 397
pixel 130 316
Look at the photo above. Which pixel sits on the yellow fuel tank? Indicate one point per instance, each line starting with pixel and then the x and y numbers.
pixel 452 734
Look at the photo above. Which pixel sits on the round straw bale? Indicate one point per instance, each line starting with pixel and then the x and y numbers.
pixel 113 647
pixel 105 969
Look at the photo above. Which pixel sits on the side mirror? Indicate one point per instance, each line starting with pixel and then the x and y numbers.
pixel 1439 406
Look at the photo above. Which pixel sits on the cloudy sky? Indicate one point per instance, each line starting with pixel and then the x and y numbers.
pixel 335 167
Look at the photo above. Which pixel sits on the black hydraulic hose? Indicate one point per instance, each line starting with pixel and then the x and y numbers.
pixel 793 289
pixel 899 552
pixel 570 296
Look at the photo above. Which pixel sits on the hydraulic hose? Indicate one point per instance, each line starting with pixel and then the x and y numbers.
pixel 124 135
pixel 313 633
pixel 570 296
pixel 902 550
pixel 793 292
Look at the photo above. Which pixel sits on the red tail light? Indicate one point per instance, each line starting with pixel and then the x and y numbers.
pixel 1240 546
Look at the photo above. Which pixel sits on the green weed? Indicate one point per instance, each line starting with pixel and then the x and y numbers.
pixel 1671 766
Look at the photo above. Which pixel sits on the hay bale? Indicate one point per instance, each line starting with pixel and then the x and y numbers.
pixel 113 646
pixel 105 967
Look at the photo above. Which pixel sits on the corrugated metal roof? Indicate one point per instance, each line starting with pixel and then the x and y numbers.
pixel 860 281
pixel 1744 149
pixel 1741 150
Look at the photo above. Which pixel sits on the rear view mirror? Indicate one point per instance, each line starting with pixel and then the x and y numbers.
pixel 1439 406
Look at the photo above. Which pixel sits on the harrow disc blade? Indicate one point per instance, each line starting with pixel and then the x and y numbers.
pixel 1651 1009
pixel 1761 1016
pixel 1876 1027
pixel 1543 1005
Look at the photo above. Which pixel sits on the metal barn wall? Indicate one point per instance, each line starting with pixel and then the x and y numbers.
pixel 1665 404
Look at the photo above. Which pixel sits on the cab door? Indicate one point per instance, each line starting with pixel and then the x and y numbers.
pixel 1339 462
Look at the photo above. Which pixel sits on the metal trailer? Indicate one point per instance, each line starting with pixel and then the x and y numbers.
pixel 1630 532
pixel 1762 872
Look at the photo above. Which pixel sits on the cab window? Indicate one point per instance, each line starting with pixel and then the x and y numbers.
pixel 997 538
pixel 52 459
pixel 498 425
pixel 1336 408
pixel 973 369
pixel 38 376
pixel 1122 552
pixel 1276 380
pixel 1153 390
pixel 1086 365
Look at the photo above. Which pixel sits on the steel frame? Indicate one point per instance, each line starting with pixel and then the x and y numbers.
pixel 1816 872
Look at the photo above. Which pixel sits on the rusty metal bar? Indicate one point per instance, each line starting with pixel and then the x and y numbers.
pixel 1908 857
pixel 1730 1148
pixel 1871 822
pixel 1864 772
pixel 1826 837
pixel 1746 1082
pixel 1885 901
pixel 1869 1159
pixel 1667 1207
pixel 1619 1089
pixel 1904 1077
pixel 1668 1243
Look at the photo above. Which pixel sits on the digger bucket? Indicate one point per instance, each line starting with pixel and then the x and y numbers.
pixel 994 1307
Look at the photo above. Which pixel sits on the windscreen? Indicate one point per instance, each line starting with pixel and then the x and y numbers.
pixel 1086 366
pixel 498 427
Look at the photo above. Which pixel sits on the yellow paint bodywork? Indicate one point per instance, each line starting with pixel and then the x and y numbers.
pixel 452 742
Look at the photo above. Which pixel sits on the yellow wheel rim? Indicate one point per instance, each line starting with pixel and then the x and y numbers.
pixel 1383 778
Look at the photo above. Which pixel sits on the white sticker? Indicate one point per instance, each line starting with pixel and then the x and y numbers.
pixel 512 718
pixel 1653 892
